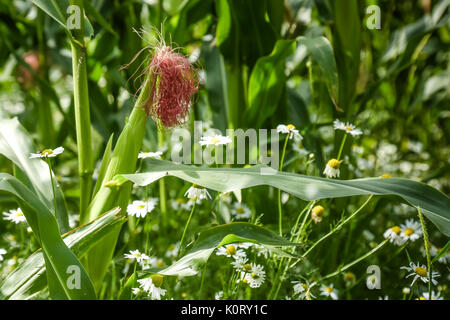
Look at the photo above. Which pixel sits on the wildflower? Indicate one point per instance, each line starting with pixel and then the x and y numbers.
pixel 347 127
pixel 329 291
pixel 241 211
pixel 317 213
pixel 434 296
pixel 420 272
pixel 197 192
pixel 349 278
pixel 290 129
pixel 301 289
pixel 173 83
pixel 144 155
pixel 47 153
pixel 394 235
pixel 386 175
pixel 445 258
pixel 230 251
pixel 239 263
pixel 136 255
pixel 262 251
pixel 406 290
pixel 218 295
pixel 15 216
pixel 136 291
pixel 332 168
pixel 411 230
pixel 215 140
pixel 141 208
pixel 254 276
pixel 2 253
pixel 172 251
pixel 152 285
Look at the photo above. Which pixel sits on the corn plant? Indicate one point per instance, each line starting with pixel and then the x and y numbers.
pixel 226 149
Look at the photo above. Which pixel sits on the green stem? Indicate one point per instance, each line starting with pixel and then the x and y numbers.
pixel 185 228
pixel 341 147
pixel 53 183
pixel 280 211
pixel 162 187
pixel 82 115
pixel 427 250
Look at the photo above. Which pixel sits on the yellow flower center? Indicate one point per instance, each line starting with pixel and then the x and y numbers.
pixel 160 264
pixel 180 200
pixel 422 298
pixel 196 186
pixel 421 271
pixel 46 152
pixel 349 276
pixel 171 247
pixel 396 229
pixel 290 126
pixel 231 250
pixel 247 267
pixel 254 275
pixel 386 175
pixel 329 290
pixel 215 140
pixel 348 128
pixel 318 210
pixel 240 210
pixel 19 214
pixel 141 206
pixel 157 280
pixel 334 163
pixel 409 231
pixel 137 254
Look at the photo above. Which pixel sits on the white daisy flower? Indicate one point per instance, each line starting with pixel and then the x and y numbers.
pixel 332 168
pixel 394 235
pixel 15 216
pixel 329 291
pixel 300 289
pixel 136 291
pixel 411 230
pixel 239 263
pixel 290 129
pixel 230 251
pixel 197 192
pixel 152 263
pixel 240 211
pixel 420 272
pixel 349 278
pixel 245 245
pixel 2 253
pixel 47 153
pixel 140 208
pixel 172 251
pixel 434 296
pixel 218 295
pixel 152 285
pixel 254 276
pixel 347 127
pixel 406 290
pixel 136 255
pixel 215 140
pixel 145 155
pixel 262 251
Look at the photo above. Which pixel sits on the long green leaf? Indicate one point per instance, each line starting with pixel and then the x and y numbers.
pixel 16 145
pixel 59 259
pixel 218 236
pixel 435 205
pixel 29 278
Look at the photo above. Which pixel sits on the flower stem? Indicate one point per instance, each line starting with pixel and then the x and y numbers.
pixel 185 229
pixel 82 115
pixel 53 183
pixel 342 146
pixel 427 249
pixel 280 211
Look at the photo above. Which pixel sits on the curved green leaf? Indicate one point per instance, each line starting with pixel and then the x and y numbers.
pixel 59 259
pixel 218 236
pixel 28 279
pixel 16 145
pixel 435 205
